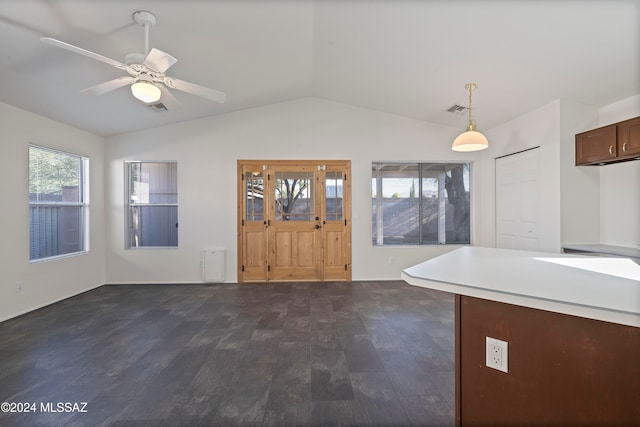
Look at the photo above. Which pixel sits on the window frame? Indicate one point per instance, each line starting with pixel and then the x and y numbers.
pixel 128 205
pixel 84 203
pixel 420 166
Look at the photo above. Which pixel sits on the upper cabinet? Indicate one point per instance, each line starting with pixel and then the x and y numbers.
pixel 617 142
pixel 629 138
pixel 596 146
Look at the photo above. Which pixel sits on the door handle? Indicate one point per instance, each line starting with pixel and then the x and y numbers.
pixel 317 226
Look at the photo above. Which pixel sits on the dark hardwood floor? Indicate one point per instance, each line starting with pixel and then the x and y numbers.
pixel 351 354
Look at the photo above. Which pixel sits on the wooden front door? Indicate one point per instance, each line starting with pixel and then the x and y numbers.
pixel 293 221
pixel 294 224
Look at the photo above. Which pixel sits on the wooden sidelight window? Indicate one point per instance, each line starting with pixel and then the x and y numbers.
pixel 294 221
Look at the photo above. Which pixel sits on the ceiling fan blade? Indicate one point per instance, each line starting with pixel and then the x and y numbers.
pixel 109 86
pixel 84 52
pixel 159 61
pixel 168 99
pixel 195 89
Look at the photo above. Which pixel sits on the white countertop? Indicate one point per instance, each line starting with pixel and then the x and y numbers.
pixel 598 288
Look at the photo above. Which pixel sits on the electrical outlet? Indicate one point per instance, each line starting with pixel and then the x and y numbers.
pixel 497 354
pixel 18 286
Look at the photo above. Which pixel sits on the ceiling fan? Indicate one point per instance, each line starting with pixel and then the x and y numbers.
pixel 146 71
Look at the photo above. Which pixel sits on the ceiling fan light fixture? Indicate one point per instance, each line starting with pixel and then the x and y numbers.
pixel 470 139
pixel 146 92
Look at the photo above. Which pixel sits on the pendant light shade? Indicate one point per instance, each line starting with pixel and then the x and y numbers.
pixel 145 92
pixel 470 139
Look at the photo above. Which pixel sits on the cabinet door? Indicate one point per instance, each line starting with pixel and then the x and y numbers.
pixel 629 138
pixel 596 146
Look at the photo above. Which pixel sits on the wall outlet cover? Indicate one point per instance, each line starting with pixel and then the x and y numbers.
pixel 497 352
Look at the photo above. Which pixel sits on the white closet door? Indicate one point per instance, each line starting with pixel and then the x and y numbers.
pixel 517 200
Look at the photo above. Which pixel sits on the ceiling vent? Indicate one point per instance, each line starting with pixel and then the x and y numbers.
pixel 457 109
pixel 158 107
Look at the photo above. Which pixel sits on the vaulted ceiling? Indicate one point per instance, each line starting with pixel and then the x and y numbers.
pixel 406 57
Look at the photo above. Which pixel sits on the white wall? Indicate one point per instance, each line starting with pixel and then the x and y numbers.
pixel 620 185
pixel 541 128
pixel 580 185
pixel 585 204
pixel 49 281
pixel 207 150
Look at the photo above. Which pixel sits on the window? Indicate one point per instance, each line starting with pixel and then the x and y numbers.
pixel 152 211
pixel 420 203
pixel 58 203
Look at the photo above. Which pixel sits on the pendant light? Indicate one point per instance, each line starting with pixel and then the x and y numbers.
pixel 470 139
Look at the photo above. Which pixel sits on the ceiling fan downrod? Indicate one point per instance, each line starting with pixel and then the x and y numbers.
pixel 146 19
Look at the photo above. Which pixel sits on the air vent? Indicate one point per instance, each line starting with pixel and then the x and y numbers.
pixel 158 107
pixel 457 109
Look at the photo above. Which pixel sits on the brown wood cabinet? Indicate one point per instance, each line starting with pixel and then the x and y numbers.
pixel 629 138
pixel 563 370
pixel 613 143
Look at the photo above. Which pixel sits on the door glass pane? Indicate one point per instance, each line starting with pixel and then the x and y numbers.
pixel 333 203
pixel 254 192
pixel 294 196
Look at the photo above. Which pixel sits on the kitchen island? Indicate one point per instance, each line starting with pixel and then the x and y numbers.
pixel 572 324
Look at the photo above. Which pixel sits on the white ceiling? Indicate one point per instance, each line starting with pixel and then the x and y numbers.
pixel 410 58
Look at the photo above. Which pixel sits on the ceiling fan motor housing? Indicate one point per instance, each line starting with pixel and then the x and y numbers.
pixel 134 58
